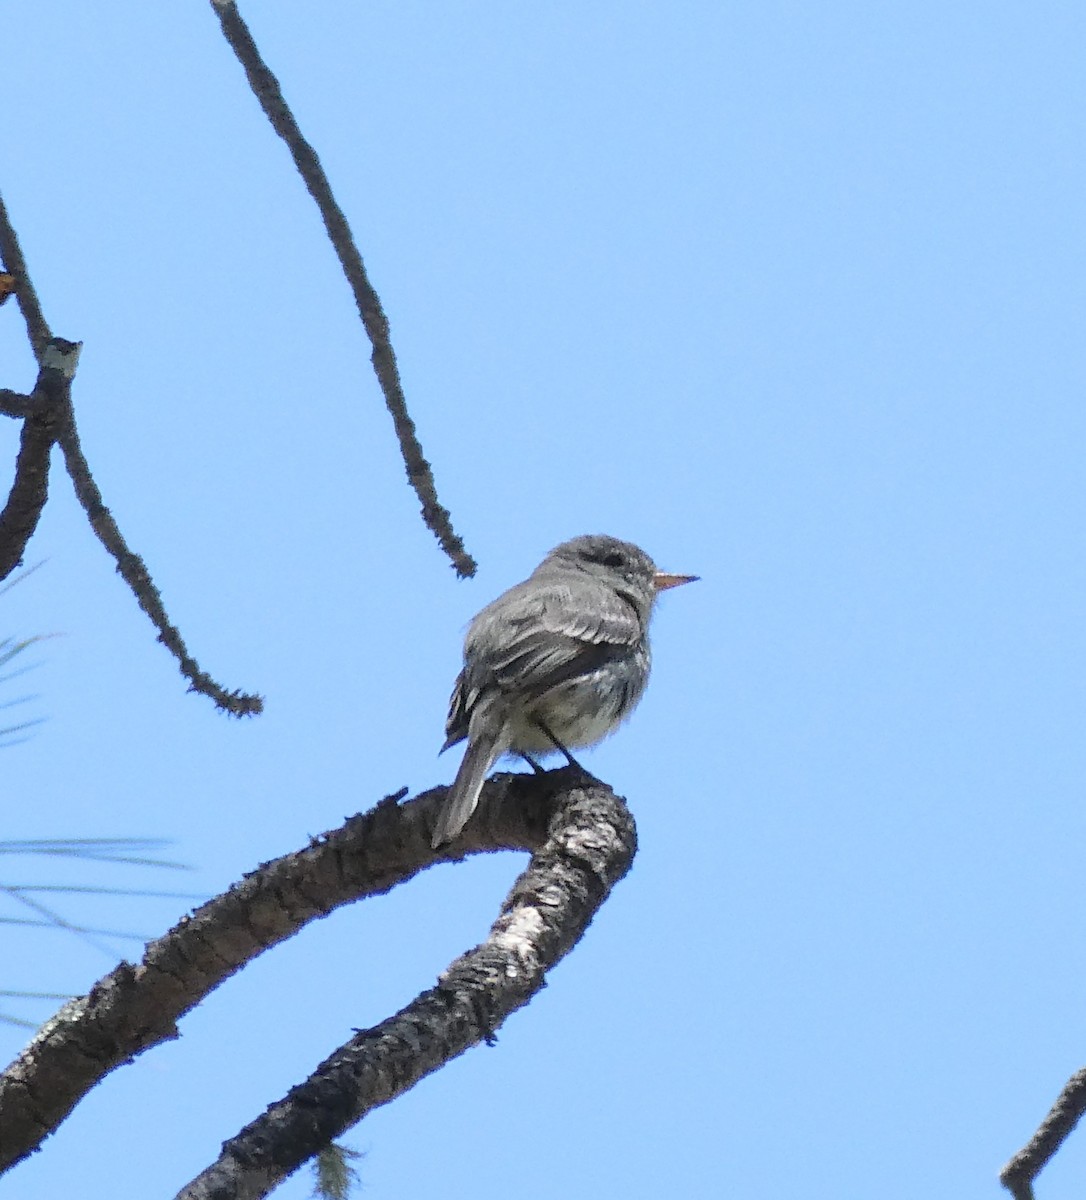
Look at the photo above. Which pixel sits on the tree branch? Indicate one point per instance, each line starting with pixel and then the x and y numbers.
pixel 47 409
pixel 134 572
pixel 11 255
pixel 583 841
pixel 1018 1175
pixel 14 404
pixel 589 849
pixel 266 88
pixel 49 418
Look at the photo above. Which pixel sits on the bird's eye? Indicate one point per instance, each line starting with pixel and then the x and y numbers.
pixel 613 560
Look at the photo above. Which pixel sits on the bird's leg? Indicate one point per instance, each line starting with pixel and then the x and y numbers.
pixel 532 763
pixel 542 725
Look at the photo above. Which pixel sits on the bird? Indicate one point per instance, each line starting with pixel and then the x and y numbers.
pixel 555 663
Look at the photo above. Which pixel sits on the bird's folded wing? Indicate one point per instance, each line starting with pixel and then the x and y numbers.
pixel 534 638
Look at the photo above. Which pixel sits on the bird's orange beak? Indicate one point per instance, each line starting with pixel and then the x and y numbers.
pixel 661 581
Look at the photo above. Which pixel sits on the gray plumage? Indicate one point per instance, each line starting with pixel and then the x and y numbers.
pixel 561 658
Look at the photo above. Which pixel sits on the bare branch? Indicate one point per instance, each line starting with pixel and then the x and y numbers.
pixel 47 411
pixel 583 841
pixel 1018 1175
pixel 54 420
pixel 11 256
pixel 135 574
pixel 266 88
pixel 14 404
pixel 589 849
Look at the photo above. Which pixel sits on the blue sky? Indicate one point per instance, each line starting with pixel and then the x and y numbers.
pixel 789 294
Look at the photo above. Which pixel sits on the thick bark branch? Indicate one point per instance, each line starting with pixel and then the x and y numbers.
pixel 589 848
pixel 266 88
pixel 583 842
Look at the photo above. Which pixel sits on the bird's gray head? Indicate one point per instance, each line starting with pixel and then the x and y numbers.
pixel 622 565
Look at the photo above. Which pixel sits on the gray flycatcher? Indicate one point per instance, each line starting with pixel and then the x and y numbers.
pixel 557 662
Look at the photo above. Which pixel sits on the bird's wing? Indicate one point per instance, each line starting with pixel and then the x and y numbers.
pixel 456 723
pixel 537 635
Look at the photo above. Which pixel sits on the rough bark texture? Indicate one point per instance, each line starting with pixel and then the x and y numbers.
pixel 583 840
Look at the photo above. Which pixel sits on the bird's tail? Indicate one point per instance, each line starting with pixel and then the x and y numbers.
pixel 482 752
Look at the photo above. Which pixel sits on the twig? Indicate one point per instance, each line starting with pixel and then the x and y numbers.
pixel 11 256
pixel 14 404
pixel 1018 1175
pixel 582 841
pixel 266 88
pixel 135 574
